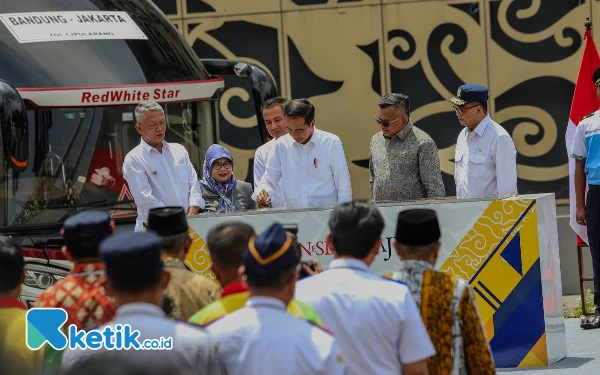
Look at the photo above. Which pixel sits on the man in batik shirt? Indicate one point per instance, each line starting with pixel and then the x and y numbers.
pixel 446 302
pixel 187 291
pixel 82 292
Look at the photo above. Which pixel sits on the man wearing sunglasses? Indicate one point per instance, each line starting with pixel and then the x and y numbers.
pixel 485 156
pixel 403 159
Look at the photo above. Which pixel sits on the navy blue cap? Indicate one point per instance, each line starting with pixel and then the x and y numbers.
pixel 271 252
pixel 470 93
pixel 132 257
pixel 86 230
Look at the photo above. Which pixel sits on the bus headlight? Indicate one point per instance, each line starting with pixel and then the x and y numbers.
pixel 42 276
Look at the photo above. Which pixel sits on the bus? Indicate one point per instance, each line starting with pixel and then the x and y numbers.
pixel 71 75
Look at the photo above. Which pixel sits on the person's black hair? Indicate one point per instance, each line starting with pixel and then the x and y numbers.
pixel 11 265
pixel 226 243
pixel 355 227
pixel 300 108
pixel 278 100
pixel 400 101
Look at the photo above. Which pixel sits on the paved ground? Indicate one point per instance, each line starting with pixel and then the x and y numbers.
pixel 583 354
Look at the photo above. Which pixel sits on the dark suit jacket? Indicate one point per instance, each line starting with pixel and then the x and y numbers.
pixel 242 197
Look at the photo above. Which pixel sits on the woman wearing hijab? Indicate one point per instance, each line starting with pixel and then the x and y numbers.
pixel 221 191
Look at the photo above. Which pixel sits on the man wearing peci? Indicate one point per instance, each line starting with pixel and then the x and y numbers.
pixel 158 173
pixel 310 163
pixel 274 116
pixel 485 156
pixel 403 159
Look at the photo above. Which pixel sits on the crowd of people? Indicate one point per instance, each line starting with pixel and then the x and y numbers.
pixel 302 166
pixel 259 318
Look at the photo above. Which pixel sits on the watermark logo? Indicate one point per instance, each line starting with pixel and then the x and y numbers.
pixel 44 325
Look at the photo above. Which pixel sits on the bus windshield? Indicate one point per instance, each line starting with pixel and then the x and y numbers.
pixel 76 157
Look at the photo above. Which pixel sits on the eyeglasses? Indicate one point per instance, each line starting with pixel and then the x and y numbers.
pixel 225 164
pixel 386 123
pixel 461 110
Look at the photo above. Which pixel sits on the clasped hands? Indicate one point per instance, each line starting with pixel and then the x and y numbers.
pixel 263 200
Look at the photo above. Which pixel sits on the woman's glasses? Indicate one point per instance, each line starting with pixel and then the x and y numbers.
pixel 225 164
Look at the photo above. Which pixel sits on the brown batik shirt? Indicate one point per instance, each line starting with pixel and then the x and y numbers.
pixel 405 166
pixel 189 292
pixel 449 312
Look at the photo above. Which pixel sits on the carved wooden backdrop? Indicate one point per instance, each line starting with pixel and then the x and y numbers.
pixel 343 54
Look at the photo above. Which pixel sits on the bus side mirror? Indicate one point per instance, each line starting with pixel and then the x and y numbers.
pixel 14 127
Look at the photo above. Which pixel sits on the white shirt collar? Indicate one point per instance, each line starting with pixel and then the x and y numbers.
pixel 354 264
pixel 149 148
pixel 140 308
pixel 480 129
pixel 259 301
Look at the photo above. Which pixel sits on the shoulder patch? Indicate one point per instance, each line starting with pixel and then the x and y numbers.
pixel 587 116
pixel 318 326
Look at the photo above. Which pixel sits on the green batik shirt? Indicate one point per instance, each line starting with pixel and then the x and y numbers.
pixel 405 166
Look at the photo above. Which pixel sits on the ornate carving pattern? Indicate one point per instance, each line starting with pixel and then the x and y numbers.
pixel 342 55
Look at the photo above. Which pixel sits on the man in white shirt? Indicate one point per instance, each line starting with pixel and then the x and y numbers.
pixel 274 116
pixel 311 163
pixel 485 155
pixel 263 338
pixel 376 322
pixel 158 173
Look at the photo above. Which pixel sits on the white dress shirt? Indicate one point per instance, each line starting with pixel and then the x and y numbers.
pixel 260 163
pixel 485 162
pixel 161 179
pixel 376 322
pixel 263 338
pixel 193 351
pixel 313 175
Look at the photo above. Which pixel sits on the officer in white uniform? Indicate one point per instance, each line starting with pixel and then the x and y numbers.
pixel 137 280
pixel 375 320
pixel 262 338
pixel 485 156
pixel 159 174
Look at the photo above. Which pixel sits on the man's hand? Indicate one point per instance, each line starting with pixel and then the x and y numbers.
pixel 309 271
pixel 263 200
pixel 580 215
pixel 193 210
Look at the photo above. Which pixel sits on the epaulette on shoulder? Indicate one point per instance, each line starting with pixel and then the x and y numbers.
pixel 319 326
pixel 205 325
pixel 587 116
pixel 388 277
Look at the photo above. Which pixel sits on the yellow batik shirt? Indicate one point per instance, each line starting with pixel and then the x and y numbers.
pixel 449 312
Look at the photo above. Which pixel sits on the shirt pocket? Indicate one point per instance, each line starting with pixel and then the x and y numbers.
pixel 477 165
pixel 181 170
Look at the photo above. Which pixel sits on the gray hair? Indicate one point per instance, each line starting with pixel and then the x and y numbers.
pixel 422 250
pixel 145 107
pixel 174 244
pixel 400 101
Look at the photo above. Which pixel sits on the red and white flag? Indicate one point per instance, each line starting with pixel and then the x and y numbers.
pixel 585 101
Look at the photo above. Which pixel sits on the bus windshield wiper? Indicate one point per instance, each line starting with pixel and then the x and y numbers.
pixel 100 203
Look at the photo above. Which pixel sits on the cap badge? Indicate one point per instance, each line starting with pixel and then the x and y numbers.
pixel 458 92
